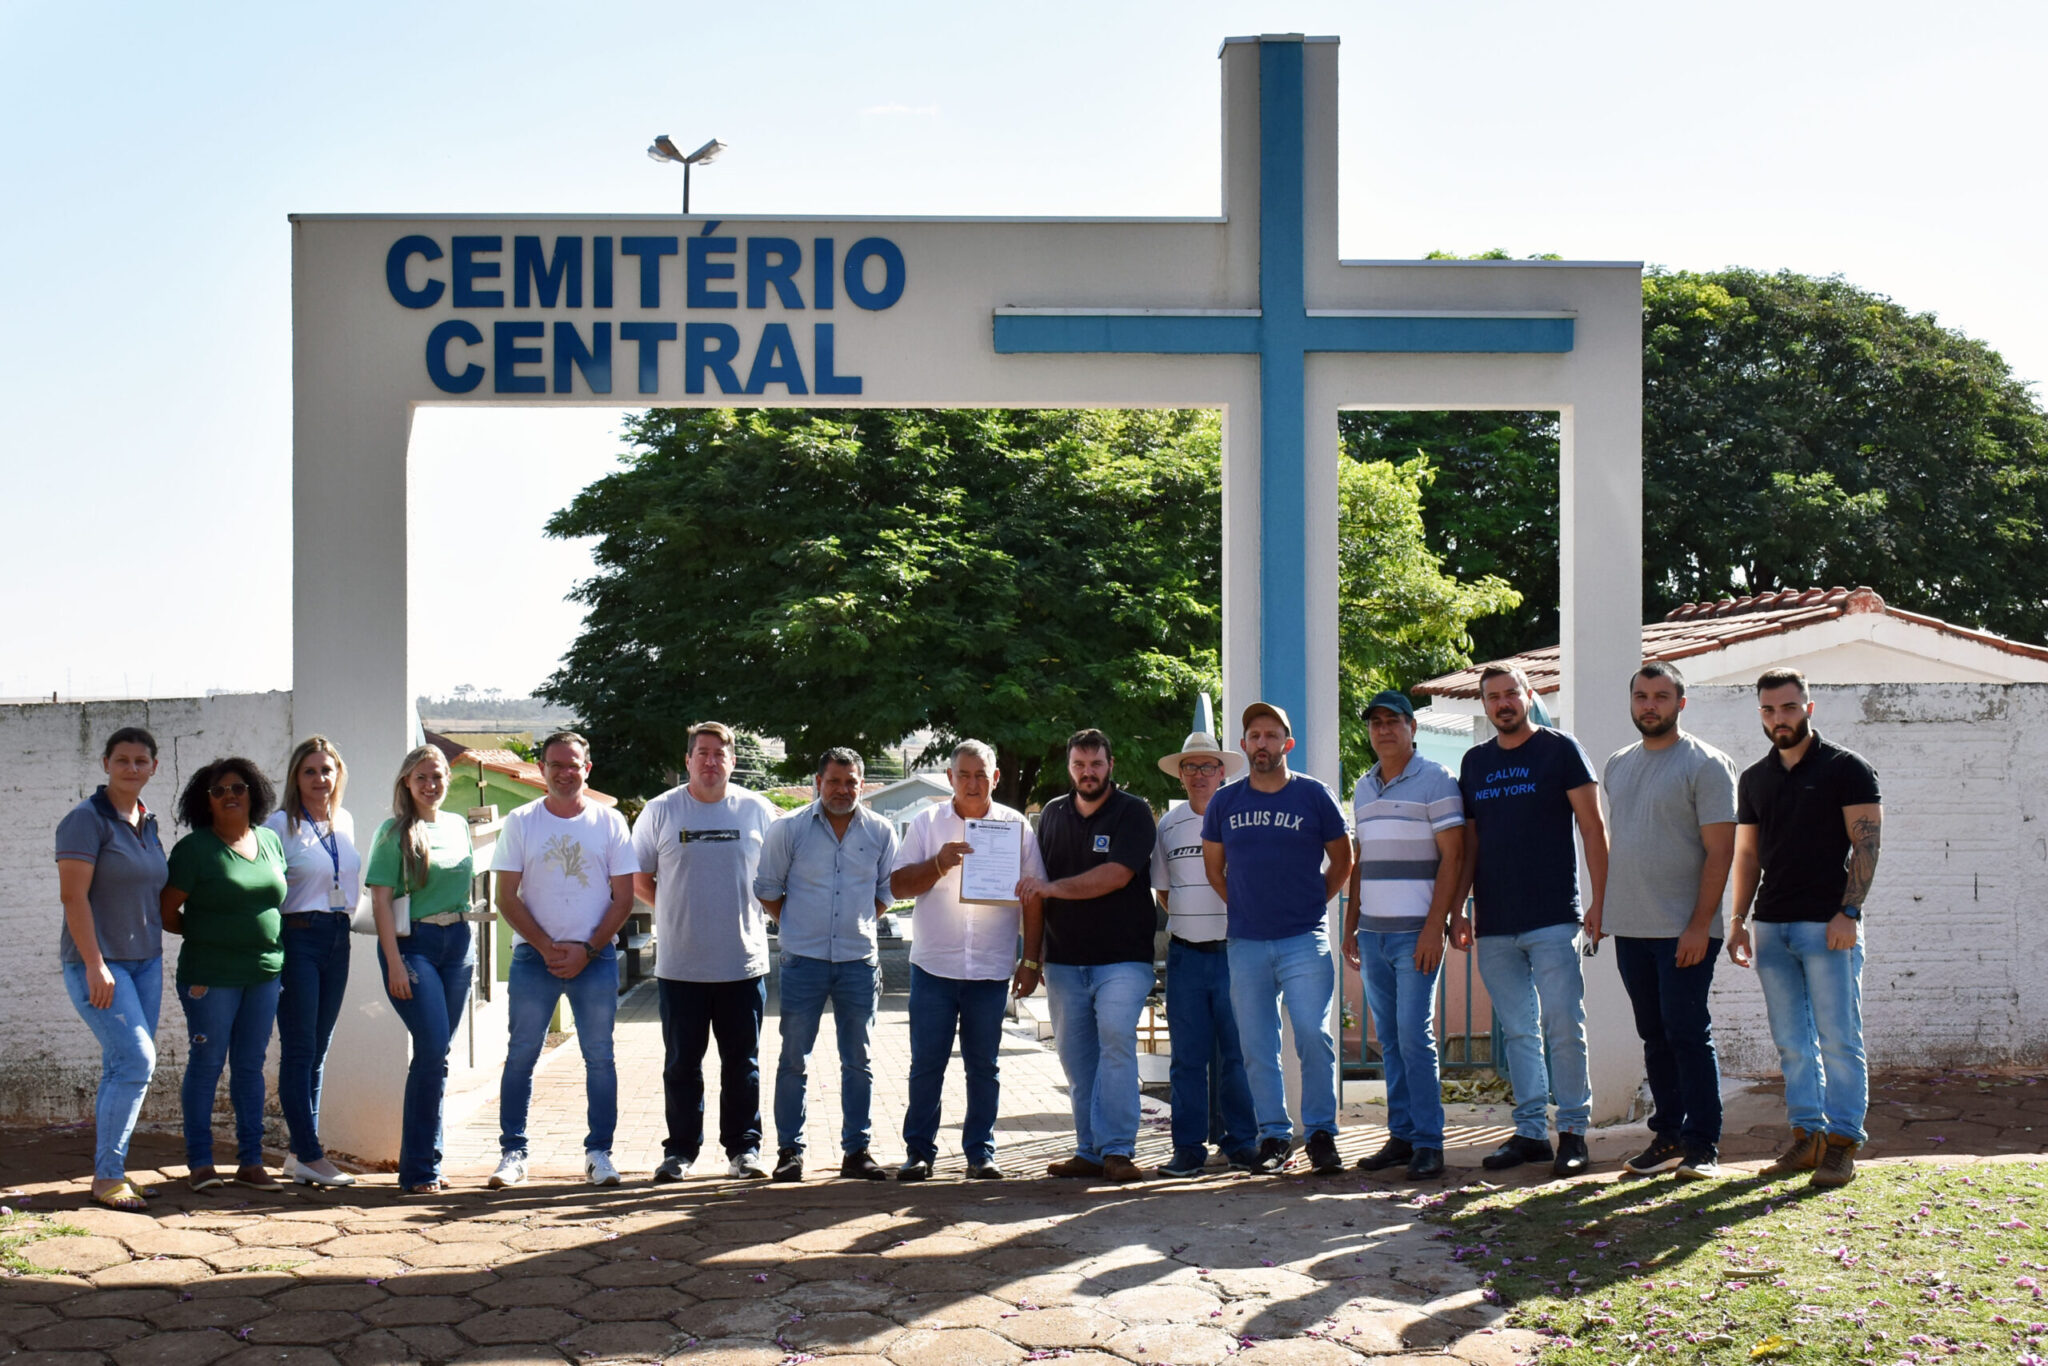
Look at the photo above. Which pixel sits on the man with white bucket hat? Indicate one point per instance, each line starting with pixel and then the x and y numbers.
pixel 1212 1101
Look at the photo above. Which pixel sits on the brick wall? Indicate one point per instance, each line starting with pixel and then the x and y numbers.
pixel 1956 966
pixel 49 1062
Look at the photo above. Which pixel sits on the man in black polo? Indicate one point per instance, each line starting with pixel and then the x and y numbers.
pixel 1807 824
pixel 1096 842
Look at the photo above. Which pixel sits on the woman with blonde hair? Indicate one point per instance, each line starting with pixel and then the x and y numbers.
pixel 324 877
pixel 423 857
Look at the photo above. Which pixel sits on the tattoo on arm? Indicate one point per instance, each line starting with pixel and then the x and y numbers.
pixel 1864 838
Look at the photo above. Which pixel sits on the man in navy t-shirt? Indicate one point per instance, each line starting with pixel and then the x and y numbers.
pixel 1277 846
pixel 1523 789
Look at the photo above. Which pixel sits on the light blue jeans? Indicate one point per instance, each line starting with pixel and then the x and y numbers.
pixel 1298 974
pixel 1403 1006
pixel 1539 1000
pixel 1814 997
pixel 533 992
pixel 807 983
pixel 126 1030
pixel 1095 1014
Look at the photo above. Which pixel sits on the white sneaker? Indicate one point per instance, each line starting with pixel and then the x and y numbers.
pixel 598 1169
pixel 511 1170
pixel 747 1167
pixel 310 1173
pixel 673 1168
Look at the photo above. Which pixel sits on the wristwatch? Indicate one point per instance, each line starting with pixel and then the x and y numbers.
pixel 1033 964
pixel 1853 912
pixel 591 949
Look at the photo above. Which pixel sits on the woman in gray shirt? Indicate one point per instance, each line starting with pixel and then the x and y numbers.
pixel 110 871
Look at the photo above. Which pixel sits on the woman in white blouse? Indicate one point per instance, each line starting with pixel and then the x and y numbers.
pixel 325 876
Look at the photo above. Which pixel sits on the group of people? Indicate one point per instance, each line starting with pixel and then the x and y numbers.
pixel 1486 861
pixel 263 890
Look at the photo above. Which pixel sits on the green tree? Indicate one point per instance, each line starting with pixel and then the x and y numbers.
pixel 1797 432
pixel 847 577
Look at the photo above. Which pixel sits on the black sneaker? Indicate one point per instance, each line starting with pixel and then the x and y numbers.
pixel 1322 1154
pixel 1572 1157
pixel 1185 1163
pixel 1426 1165
pixel 1701 1164
pixel 1273 1156
pixel 789 1166
pixel 914 1169
pixel 1243 1160
pixel 1515 1152
pixel 674 1167
pixel 861 1166
pixel 1664 1154
pixel 1392 1152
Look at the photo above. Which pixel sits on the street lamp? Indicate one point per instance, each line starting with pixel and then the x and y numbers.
pixel 664 150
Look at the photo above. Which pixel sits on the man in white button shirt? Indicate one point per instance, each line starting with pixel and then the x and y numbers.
pixel 1212 1100
pixel 963 965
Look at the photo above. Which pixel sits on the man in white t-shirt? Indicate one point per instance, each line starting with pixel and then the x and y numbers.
pixel 1212 1100
pixel 565 870
pixel 963 964
pixel 699 847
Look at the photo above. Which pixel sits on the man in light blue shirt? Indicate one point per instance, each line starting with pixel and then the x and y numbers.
pixel 823 878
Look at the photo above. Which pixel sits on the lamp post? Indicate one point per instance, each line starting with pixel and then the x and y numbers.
pixel 664 150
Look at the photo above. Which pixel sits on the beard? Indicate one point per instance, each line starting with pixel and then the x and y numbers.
pixel 840 807
pixel 1795 739
pixel 1091 788
pixel 1504 723
pixel 1652 729
pixel 1265 761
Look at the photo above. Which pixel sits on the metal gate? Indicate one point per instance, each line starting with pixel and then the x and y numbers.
pixel 1472 1047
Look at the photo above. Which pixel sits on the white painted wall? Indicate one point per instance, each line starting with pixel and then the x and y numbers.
pixel 1956 966
pixel 49 1061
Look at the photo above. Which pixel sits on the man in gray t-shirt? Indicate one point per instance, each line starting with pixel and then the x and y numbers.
pixel 1671 839
pixel 699 846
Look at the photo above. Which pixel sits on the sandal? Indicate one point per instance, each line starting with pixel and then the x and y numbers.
pixel 205 1179
pixel 123 1197
pixel 427 1188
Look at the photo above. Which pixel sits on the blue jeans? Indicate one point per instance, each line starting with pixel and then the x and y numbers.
pixel 229 1027
pixel 126 1030
pixel 1212 1101
pixel 1539 1000
pixel 1300 975
pixel 1095 1014
pixel 532 993
pixel 807 983
pixel 440 962
pixel 937 1005
pixel 1403 1006
pixel 315 975
pixel 1814 997
pixel 691 1013
pixel 1679 1061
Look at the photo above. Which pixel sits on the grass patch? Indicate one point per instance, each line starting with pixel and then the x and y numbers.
pixel 18 1230
pixel 1909 1264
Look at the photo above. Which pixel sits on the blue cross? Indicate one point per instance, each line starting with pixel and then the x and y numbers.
pixel 1281 332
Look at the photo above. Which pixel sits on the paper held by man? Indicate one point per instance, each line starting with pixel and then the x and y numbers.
pixel 988 876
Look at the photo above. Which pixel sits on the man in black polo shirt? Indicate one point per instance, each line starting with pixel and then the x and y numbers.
pixel 1807 822
pixel 1096 842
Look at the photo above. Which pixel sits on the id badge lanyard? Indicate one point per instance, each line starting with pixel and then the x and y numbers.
pixel 332 844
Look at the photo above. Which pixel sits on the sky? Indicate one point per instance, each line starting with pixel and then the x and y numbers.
pixel 154 152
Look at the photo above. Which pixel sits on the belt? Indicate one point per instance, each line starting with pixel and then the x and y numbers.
pixel 323 910
pixel 444 918
pixel 1201 945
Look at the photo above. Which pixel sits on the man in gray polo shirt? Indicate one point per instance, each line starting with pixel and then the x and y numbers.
pixel 824 877
pixel 1406 815
pixel 1671 839
pixel 699 846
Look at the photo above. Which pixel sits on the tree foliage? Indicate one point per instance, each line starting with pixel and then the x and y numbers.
pixel 1796 432
pixel 1400 617
pixel 847 577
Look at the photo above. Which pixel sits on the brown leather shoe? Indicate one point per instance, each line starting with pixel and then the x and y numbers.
pixel 1802 1154
pixel 1120 1169
pixel 1078 1168
pixel 1837 1162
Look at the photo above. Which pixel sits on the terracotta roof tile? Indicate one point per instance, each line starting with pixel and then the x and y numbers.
pixel 1699 628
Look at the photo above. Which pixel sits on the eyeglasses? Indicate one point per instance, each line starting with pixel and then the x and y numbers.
pixel 1201 770
pixel 227 789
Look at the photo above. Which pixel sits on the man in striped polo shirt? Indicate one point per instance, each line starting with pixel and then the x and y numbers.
pixel 1406 810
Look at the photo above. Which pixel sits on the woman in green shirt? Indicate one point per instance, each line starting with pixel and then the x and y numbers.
pixel 420 868
pixel 227 884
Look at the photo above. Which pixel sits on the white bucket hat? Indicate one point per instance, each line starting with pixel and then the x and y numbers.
pixel 1202 744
